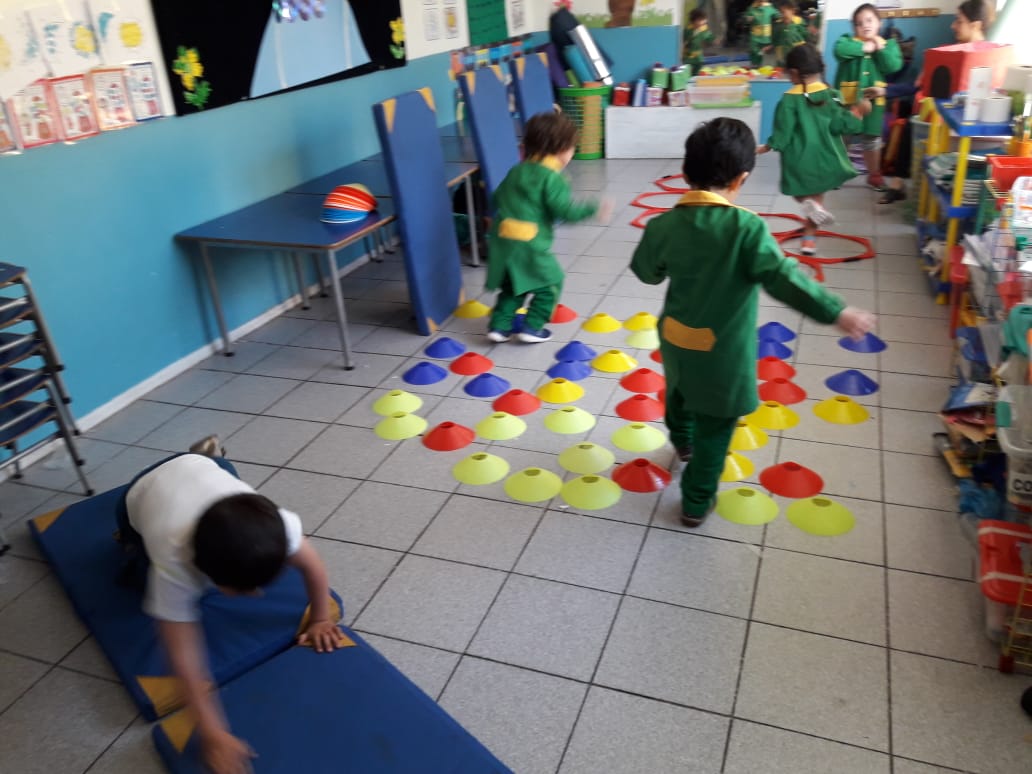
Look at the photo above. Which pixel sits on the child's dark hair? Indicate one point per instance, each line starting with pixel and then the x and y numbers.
pixel 717 152
pixel 865 7
pixel 787 4
pixel 240 542
pixel 547 134
pixel 806 60
pixel 979 11
pixel 696 15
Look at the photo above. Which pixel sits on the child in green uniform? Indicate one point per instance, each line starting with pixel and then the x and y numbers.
pixel 717 256
pixel 809 124
pixel 761 17
pixel 528 202
pixel 791 30
pixel 865 59
pixel 697 36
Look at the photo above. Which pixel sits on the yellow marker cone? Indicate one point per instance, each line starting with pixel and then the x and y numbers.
pixel 736 467
pixel 586 458
pixel 590 493
pixel 841 410
pixel 642 321
pixel 614 361
pixel 397 400
pixel 602 323
pixel 748 437
pixel 560 391
pixel 771 415
pixel 646 339
pixel 638 437
pixel 533 485
pixel 500 426
pixel 472 309
pixel 399 426
pixel 480 468
pixel 570 420
pixel 821 516
pixel 744 505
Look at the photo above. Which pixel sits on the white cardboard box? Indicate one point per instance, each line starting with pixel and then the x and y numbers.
pixel 660 132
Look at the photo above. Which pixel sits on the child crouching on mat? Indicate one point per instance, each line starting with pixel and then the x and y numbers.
pixel 528 202
pixel 192 525
pixel 717 256
pixel 809 124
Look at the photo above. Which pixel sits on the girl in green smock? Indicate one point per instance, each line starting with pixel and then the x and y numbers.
pixel 865 59
pixel 809 124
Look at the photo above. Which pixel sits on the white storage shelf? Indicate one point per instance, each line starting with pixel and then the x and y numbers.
pixel 660 132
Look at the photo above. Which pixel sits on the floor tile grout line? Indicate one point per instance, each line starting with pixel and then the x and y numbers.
pixel 113 742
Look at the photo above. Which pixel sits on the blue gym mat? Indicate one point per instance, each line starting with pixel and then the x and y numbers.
pixel 407 126
pixel 532 85
pixel 333 713
pixel 241 631
pixel 494 136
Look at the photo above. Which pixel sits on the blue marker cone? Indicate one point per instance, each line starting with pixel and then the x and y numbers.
pixel 486 386
pixel 445 348
pixel 776 349
pixel 869 344
pixel 576 350
pixel 851 382
pixel 574 370
pixel 424 373
pixel 775 331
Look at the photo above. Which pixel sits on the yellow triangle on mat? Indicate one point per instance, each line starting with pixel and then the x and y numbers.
pixel 389 107
pixel 165 693
pixel 428 95
pixel 179 728
pixel 43 521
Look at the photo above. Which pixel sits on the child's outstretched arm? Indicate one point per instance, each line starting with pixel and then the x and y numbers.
pixel 221 752
pixel 322 633
pixel 561 204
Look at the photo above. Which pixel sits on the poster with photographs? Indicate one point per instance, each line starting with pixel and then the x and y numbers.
pixel 434 26
pixel 144 94
pixel 74 108
pixel 111 98
pixel 34 116
pixel 8 135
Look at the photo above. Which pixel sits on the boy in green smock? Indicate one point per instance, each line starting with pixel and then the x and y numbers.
pixel 790 30
pixel 865 59
pixel 528 202
pixel 761 15
pixel 717 257
pixel 697 36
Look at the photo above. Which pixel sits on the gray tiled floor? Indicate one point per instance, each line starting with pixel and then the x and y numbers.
pixel 575 641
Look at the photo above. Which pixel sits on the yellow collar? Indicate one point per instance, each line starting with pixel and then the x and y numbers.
pixel 550 162
pixel 702 198
pixel 702 28
pixel 815 88
pixel 792 20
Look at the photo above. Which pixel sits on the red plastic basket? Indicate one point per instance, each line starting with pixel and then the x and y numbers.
pixel 1004 170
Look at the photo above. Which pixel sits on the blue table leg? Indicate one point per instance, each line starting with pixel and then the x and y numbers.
pixel 474 249
pixel 338 302
pixel 300 277
pixel 227 345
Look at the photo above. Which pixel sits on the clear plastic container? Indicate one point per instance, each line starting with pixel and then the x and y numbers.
pixel 1021 194
pixel 718 89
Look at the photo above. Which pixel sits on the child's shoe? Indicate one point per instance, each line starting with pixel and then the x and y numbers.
pixel 498 337
pixel 692 520
pixel 808 247
pixel 534 337
pixel 684 453
pixel 877 182
pixel 815 212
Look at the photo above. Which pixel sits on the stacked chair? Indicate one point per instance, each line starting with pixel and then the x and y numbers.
pixel 33 399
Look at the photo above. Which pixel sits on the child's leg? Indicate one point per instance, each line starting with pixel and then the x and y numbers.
pixel 700 479
pixel 504 313
pixel 679 420
pixel 541 307
pixel 872 160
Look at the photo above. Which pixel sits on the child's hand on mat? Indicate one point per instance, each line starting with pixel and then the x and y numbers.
pixel 854 322
pixel 323 636
pixel 605 211
pixel 224 753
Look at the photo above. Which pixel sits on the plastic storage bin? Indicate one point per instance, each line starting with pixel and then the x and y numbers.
pixel 718 90
pixel 586 106
pixel 1000 572
pixel 1004 170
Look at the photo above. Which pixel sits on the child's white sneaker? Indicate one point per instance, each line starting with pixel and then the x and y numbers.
pixel 814 212
pixel 498 337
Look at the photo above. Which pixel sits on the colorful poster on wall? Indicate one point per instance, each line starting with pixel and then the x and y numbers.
pixel 111 98
pixel 34 115
pixel 487 23
pixel 144 95
pixel 434 26
pixel 74 107
pixel 220 53
pixel 21 61
pixel 65 34
pixel 8 135
pixel 626 13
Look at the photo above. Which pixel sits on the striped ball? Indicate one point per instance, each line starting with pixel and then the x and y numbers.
pixel 348 204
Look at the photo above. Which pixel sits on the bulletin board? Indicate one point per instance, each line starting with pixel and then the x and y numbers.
pixel 219 53
pixel 487 22
pixel 434 26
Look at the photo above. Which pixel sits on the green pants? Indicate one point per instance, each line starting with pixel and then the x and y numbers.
pixel 539 311
pixel 709 437
pixel 756 52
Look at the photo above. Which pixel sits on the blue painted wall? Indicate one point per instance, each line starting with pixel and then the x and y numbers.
pixel 93 222
pixel 635 49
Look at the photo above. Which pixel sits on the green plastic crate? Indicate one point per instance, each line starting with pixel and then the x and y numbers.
pixel 586 107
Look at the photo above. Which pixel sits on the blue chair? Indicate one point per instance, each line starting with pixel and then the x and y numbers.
pixel 532 85
pixel 494 136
